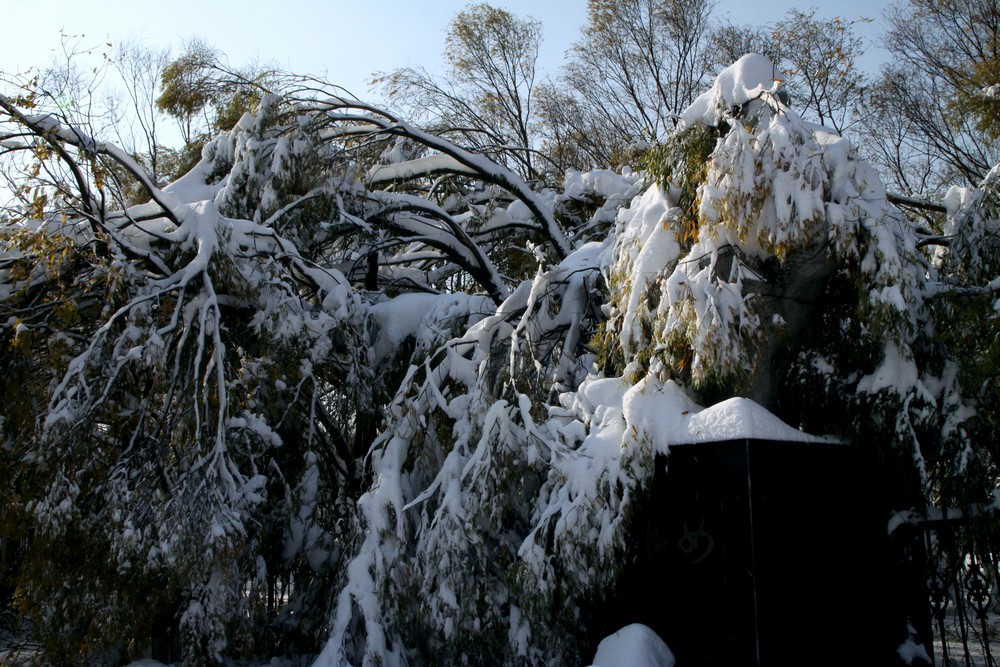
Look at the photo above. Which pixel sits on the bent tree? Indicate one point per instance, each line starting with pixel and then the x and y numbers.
pixel 193 381
pixel 347 387
pixel 759 256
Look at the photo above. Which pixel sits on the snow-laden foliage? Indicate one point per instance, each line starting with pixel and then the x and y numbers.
pixel 180 427
pixel 972 229
pixel 348 385
pixel 766 255
pixel 457 471
pixel 195 380
pixel 698 289
pixel 787 249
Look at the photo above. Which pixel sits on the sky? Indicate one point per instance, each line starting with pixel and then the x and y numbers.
pixel 343 41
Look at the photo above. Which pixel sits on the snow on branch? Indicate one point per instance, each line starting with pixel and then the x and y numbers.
pixel 462 159
pixel 425 166
pixel 469 400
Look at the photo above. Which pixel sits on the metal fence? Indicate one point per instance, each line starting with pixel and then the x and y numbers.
pixel 961 564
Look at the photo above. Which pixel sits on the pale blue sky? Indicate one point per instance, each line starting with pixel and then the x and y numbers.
pixel 343 40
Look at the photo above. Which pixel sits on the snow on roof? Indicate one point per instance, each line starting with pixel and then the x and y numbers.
pixel 666 415
pixel 741 418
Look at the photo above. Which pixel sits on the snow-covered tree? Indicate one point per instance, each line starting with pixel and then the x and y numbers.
pixel 350 385
pixel 765 256
pixel 816 58
pixel 193 382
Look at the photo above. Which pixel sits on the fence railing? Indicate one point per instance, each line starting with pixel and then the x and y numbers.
pixel 963 589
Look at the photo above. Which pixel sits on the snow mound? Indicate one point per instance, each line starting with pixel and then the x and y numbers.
pixel 739 418
pixel 634 645
pixel 666 416
pixel 739 83
pixel 909 651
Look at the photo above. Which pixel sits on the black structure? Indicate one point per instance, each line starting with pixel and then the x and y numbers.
pixel 764 553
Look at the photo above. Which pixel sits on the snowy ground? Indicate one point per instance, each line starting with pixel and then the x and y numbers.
pixel 632 646
pixel 15 648
pixel 957 656
pixel 977 655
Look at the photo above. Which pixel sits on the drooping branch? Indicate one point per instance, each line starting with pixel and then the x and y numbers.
pixel 483 168
pixel 916 202
pixel 991 288
pixel 463 251
pixel 42 128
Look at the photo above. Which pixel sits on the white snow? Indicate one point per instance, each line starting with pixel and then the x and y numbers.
pixel 603 182
pixel 398 319
pixel 634 645
pixel 420 316
pixel 738 418
pixel 194 186
pixel 746 79
pixel 422 166
pixel 647 251
pixel 910 650
pixel 664 414
pixel 897 373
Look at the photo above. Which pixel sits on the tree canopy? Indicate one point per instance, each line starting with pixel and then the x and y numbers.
pixel 388 392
